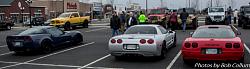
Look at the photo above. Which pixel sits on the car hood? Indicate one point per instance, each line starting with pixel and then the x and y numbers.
pixel 216 14
pixel 135 36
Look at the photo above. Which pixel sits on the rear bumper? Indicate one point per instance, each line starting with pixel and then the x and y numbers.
pixel 139 53
pixel 142 50
pixel 228 55
pixel 24 47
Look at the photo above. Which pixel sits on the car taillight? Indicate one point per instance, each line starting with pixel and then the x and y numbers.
pixel 236 45
pixel 143 41
pixel 27 38
pixel 150 41
pixel 187 45
pixel 113 41
pixel 194 45
pixel 228 45
pixel 119 41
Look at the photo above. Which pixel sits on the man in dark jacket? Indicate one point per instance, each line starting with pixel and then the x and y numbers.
pixel 184 15
pixel 115 24
pixel 131 20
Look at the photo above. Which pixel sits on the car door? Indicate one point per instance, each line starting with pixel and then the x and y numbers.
pixel 74 19
pixel 168 37
pixel 57 36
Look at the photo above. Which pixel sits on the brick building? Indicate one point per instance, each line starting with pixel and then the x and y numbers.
pixel 12 9
pixel 54 8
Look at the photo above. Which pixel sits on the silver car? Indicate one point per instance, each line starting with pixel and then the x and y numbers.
pixel 143 40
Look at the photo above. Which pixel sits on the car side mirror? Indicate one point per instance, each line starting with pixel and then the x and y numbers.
pixel 191 33
pixel 170 31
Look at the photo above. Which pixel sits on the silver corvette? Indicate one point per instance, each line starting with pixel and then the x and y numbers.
pixel 143 40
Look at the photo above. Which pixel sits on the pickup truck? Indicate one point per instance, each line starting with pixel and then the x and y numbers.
pixel 216 16
pixel 70 20
pixel 244 17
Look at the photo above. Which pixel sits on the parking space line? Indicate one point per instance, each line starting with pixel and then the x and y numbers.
pixel 94 62
pixel 173 61
pixel 95 30
pixel 3 46
pixel 48 55
pixel 102 68
pixel 6 53
pixel 248 50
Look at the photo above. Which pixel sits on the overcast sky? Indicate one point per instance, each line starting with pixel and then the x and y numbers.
pixel 176 3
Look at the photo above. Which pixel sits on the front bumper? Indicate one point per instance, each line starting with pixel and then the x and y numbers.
pixel 225 55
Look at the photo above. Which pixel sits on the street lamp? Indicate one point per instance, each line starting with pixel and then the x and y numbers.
pixel 22 9
pixel 29 2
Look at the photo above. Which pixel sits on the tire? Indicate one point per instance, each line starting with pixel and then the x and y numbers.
pixel 46 47
pixel 244 26
pixel 67 26
pixel 77 39
pixel 85 24
pixel 163 51
pixel 175 41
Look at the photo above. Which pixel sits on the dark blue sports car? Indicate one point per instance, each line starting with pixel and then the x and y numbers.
pixel 42 38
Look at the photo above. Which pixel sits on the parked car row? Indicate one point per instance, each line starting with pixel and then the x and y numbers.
pixel 6 24
pixel 209 42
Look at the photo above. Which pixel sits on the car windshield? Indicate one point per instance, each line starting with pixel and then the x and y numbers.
pixel 213 33
pixel 141 30
pixel 216 10
pixel 156 11
pixel 64 15
pixel 247 10
pixel 32 31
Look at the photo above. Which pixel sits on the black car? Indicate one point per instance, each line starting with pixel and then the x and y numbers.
pixel 43 39
pixel 6 24
pixel 38 21
pixel 244 17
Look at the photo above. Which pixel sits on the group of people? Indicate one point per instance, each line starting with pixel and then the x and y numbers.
pixel 122 22
pixel 119 23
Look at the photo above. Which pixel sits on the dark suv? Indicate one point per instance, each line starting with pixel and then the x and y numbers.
pixel 244 17
pixel 6 24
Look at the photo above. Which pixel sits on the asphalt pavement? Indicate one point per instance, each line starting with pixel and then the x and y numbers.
pixel 93 54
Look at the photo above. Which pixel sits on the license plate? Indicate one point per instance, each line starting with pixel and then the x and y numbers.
pixel 17 43
pixel 131 47
pixel 211 51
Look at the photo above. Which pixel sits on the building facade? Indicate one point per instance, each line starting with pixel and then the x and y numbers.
pixel 54 8
pixel 19 10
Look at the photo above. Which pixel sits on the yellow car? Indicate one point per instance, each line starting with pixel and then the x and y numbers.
pixel 70 20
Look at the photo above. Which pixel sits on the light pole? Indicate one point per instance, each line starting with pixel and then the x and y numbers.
pixel 146 7
pixel 29 2
pixel 22 9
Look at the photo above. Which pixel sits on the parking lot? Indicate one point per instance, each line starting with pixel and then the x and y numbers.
pixel 93 54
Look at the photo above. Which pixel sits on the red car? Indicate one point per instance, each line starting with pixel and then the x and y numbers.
pixel 213 42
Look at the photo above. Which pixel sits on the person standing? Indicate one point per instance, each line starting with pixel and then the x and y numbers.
pixel 131 20
pixel 229 14
pixel 142 18
pixel 122 19
pixel 115 24
pixel 235 15
pixel 173 20
pixel 184 15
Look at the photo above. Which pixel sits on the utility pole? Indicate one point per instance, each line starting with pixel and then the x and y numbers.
pixel 146 6
pixel 189 3
pixel 211 3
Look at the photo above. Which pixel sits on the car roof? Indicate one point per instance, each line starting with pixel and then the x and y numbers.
pixel 152 25
pixel 41 27
pixel 220 26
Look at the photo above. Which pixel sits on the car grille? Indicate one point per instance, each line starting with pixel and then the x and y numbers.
pixel 217 17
